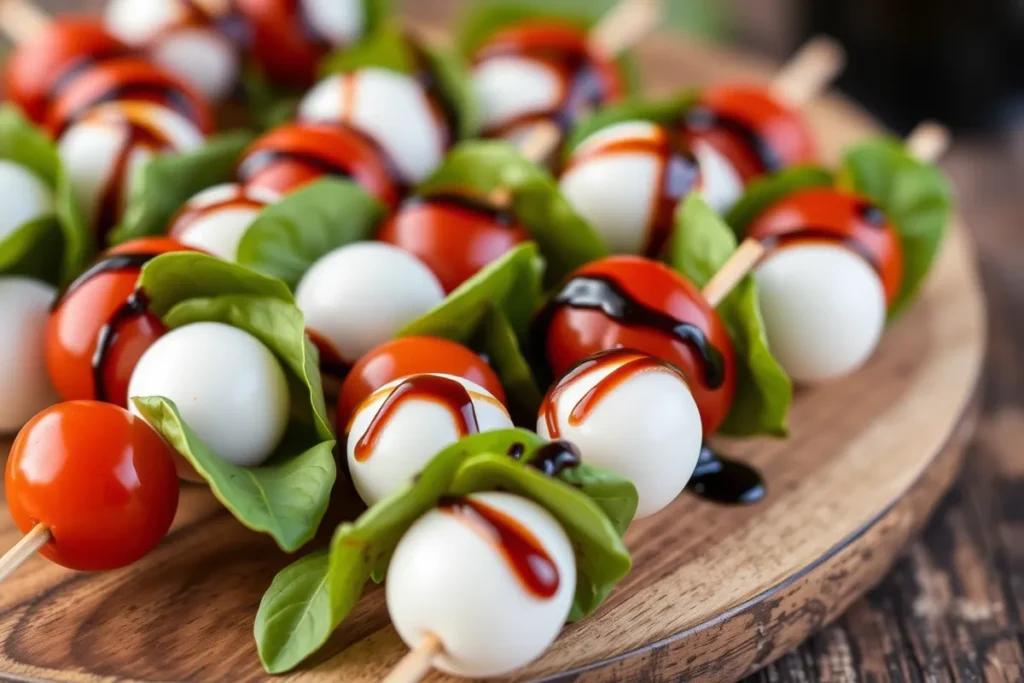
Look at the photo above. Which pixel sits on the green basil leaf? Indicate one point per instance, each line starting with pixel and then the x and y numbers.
pixel 701 244
pixel 28 146
pixel 565 239
pixel 663 111
pixel 916 197
pixel 289 236
pixel 496 340
pixel 285 499
pixel 172 278
pixel 168 181
pixel 765 191
pixel 511 285
pixel 295 619
pixel 268 105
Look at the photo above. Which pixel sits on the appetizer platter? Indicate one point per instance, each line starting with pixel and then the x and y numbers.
pixel 349 343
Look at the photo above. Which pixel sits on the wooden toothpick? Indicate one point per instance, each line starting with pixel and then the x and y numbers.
pixel 28 546
pixel 928 141
pixel 810 71
pixel 21 20
pixel 418 662
pixel 625 25
pixel 540 142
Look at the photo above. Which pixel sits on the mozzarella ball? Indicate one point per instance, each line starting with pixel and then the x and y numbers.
pixel 340 22
pixel 182 39
pixel 216 219
pixel 105 150
pixel 400 427
pixel 823 307
pixel 634 415
pixel 391 108
pixel 451 577
pixel 361 295
pixel 509 88
pixel 229 388
pixel 722 185
pixel 25 389
pixel 23 196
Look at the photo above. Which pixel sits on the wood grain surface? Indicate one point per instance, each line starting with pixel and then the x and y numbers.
pixel 717 592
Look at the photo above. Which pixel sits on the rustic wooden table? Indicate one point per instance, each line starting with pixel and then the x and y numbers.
pixel 952 608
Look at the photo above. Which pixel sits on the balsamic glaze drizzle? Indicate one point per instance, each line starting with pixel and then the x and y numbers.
pixel 134 306
pixel 426 75
pixel 722 480
pixel 111 264
pixel 825 235
pixel 163 92
pixel 261 159
pixel 702 119
pixel 503 216
pixel 551 459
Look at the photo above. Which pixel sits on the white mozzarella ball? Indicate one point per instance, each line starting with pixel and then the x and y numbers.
pixel 341 22
pixel 390 107
pixel 403 437
pixel 450 578
pixel 645 426
pixel 216 219
pixel 824 309
pixel 722 184
pixel 114 137
pixel 25 388
pixel 229 388
pixel 359 296
pixel 23 196
pixel 617 191
pixel 508 88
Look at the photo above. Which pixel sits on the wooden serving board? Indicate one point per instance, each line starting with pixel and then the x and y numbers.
pixel 716 593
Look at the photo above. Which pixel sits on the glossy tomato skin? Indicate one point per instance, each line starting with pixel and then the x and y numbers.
pixel 412 356
pixel 455 235
pixel 65 48
pixel 748 125
pixel 574 333
pixel 100 478
pixel 75 323
pixel 294 155
pixel 833 215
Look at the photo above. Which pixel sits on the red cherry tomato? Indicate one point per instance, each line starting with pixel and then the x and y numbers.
pixel 99 478
pixel 454 235
pixel 39 69
pixel 74 327
pixel 281 41
pixel 756 132
pixel 588 80
pixel 293 155
pixel 831 215
pixel 412 356
pixel 128 78
pixel 650 299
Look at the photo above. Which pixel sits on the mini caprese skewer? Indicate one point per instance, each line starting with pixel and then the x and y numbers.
pixel 628 178
pixel 109 493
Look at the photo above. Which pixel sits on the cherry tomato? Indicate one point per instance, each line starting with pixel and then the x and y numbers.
pixel 588 80
pixel 648 300
pixel 74 328
pixel 127 78
pixel 293 155
pixel 756 132
pixel 831 215
pixel 281 41
pixel 99 478
pixel 41 68
pixel 454 235
pixel 412 356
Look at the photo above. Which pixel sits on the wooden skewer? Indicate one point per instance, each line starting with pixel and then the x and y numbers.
pixel 927 143
pixel 28 546
pixel 418 662
pixel 21 20
pixel 810 71
pixel 625 25
pixel 537 146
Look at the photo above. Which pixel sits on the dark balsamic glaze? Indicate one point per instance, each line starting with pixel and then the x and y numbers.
pixel 443 390
pixel 112 197
pixel 437 95
pixel 605 295
pixel 502 216
pixel 552 459
pixel 80 66
pixel 331 364
pixel 111 264
pixel 133 307
pixel 872 215
pixel 530 562
pixel 812 234
pixel 156 92
pixel 722 480
pixel 260 160
pixel 702 119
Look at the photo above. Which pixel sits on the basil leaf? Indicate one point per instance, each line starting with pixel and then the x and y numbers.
pixel 916 197
pixel 268 105
pixel 172 278
pixel 285 499
pixel 566 240
pixel 295 620
pixel 701 244
pixel 168 181
pixel 764 192
pixel 391 48
pixel 664 111
pixel 496 340
pixel 56 258
pixel 289 236
pixel 511 285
